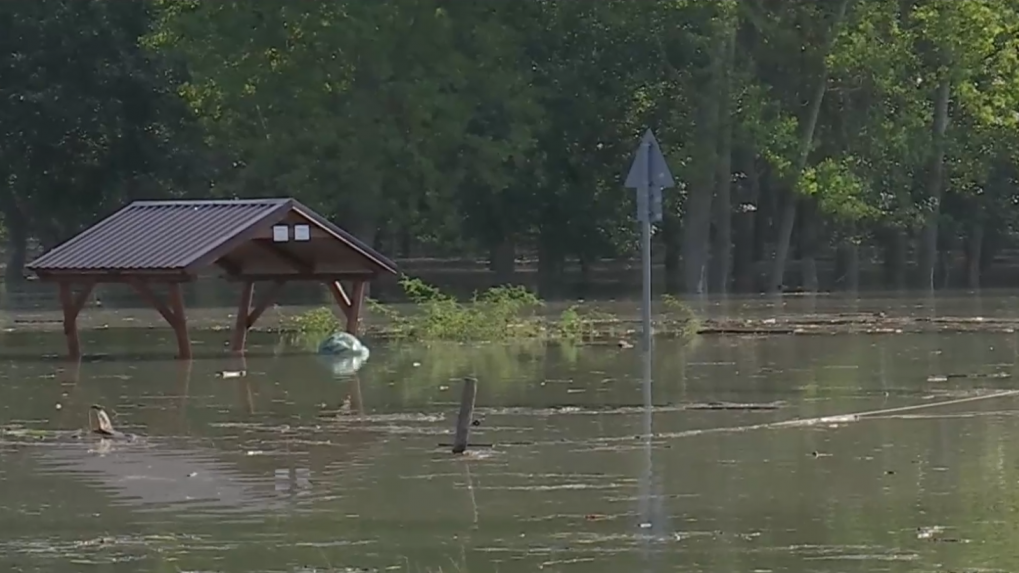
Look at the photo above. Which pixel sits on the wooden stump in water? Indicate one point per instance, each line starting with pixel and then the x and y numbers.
pixel 466 416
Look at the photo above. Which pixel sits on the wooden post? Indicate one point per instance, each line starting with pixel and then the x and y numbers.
pixel 466 416
pixel 356 302
pixel 179 322
pixel 248 315
pixel 72 307
pixel 241 324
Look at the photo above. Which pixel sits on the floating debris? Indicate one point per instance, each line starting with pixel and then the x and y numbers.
pixel 733 406
pixel 103 425
pixel 232 373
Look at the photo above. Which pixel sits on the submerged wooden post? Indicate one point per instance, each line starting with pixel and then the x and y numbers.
pixel 356 302
pixel 240 334
pixel 180 322
pixel 70 321
pixel 72 306
pixel 466 416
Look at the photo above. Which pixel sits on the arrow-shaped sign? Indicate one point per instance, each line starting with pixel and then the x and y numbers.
pixel 649 174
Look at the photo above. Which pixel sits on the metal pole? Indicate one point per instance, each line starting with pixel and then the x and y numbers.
pixel 645 239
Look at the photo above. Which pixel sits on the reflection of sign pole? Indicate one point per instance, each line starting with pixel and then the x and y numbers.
pixel 649 175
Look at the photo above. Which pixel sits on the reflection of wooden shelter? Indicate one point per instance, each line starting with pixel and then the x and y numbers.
pixel 261 240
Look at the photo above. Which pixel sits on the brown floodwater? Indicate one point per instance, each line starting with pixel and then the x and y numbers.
pixel 294 469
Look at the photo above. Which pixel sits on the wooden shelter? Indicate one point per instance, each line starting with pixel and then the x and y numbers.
pixel 273 241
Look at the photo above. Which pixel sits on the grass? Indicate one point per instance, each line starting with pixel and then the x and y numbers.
pixel 499 314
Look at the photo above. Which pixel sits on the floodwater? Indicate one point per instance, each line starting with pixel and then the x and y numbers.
pixel 290 469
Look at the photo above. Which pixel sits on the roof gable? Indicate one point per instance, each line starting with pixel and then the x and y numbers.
pixel 180 236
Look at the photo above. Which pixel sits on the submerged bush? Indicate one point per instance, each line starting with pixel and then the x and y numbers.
pixel 497 314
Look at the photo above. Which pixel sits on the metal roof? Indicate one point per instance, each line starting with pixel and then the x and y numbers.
pixel 180 235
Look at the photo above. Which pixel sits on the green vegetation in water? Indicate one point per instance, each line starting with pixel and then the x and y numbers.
pixel 498 314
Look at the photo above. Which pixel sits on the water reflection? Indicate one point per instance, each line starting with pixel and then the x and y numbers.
pixel 157 476
pixel 265 473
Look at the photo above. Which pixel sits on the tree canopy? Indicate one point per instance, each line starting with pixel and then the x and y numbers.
pixel 800 132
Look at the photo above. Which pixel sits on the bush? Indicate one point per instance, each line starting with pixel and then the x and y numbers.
pixel 498 314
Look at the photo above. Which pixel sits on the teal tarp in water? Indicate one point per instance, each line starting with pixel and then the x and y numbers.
pixel 344 353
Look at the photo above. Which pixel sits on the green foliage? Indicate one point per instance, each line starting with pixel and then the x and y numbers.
pixel 499 314
pixel 579 325
pixel 87 119
pixel 463 127
pixel 840 193
pixel 313 325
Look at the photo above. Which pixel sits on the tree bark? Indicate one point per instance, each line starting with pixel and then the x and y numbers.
pixel 551 259
pixel 848 265
pixel 17 248
pixel 808 245
pixel 722 256
pixel 17 236
pixel 746 219
pixel 935 185
pixel 503 261
pixel 697 215
pixel 671 233
pixel 788 220
pixel 895 258
pixel 974 256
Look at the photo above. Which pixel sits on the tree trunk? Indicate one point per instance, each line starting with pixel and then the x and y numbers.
pixel 503 260
pixel 697 216
pixel 974 257
pixel 785 233
pixel 366 231
pixel 848 265
pixel 746 219
pixel 550 264
pixel 17 241
pixel 671 233
pixel 722 256
pixel 17 248
pixel 935 184
pixel 946 259
pixel 808 245
pixel 895 258
pixel 586 277
pixel 406 240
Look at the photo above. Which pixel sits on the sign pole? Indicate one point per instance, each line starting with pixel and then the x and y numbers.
pixel 649 175
pixel 645 256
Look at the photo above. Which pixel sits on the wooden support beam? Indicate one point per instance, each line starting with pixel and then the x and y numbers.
pixel 240 333
pixel 356 302
pixel 340 296
pixel 72 305
pixel 173 313
pixel 180 324
pixel 143 290
pixel 266 301
pixel 316 277
pixel 248 315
